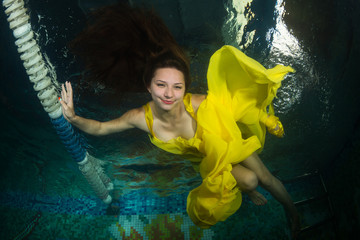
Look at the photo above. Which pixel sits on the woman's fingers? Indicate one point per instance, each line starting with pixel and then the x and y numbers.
pixel 63 92
pixel 69 87
pixel 69 93
pixel 62 95
pixel 67 101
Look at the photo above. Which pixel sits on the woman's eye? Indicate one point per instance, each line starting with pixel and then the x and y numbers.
pixel 160 85
pixel 178 87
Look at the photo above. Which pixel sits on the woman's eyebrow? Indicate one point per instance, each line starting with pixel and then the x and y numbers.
pixel 162 81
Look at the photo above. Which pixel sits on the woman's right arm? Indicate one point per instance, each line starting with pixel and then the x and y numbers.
pixel 131 119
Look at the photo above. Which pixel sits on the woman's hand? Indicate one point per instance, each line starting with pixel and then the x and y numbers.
pixel 67 102
pixel 274 126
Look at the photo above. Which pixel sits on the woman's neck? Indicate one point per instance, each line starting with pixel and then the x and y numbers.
pixel 168 116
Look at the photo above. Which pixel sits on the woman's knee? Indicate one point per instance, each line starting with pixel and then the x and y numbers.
pixel 264 176
pixel 250 181
pixel 246 179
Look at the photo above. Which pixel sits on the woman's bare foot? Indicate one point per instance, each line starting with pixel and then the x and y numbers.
pixel 257 198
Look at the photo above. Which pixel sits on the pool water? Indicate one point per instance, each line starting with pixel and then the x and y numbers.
pixel 43 195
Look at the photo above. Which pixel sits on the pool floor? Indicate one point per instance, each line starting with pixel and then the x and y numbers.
pixel 138 215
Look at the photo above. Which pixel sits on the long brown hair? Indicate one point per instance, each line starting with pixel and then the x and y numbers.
pixel 120 42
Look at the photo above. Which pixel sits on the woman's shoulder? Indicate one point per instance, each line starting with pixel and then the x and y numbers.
pixel 196 100
pixel 137 118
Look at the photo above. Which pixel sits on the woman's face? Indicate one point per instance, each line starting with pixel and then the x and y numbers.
pixel 167 88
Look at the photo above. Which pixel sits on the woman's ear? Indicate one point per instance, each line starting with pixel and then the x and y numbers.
pixel 149 89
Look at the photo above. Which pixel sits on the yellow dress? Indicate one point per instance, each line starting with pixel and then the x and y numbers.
pixel 230 127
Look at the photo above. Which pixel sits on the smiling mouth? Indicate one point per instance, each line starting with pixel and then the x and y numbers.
pixel 167 102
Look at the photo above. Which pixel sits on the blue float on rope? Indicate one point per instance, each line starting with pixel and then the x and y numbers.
pixel 70 138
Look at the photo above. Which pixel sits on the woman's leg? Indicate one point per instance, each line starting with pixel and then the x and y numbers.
pixel 247 182
pixel 272 185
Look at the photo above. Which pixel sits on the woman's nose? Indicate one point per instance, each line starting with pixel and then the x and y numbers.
pixel 168 93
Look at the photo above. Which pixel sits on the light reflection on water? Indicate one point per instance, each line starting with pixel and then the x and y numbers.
pixel 238 15
pixel 282 48
pixel 286 49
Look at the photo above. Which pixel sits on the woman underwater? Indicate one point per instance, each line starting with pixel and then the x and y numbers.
pixel 221 131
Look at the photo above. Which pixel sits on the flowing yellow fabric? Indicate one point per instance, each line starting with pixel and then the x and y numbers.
pixel 230 127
